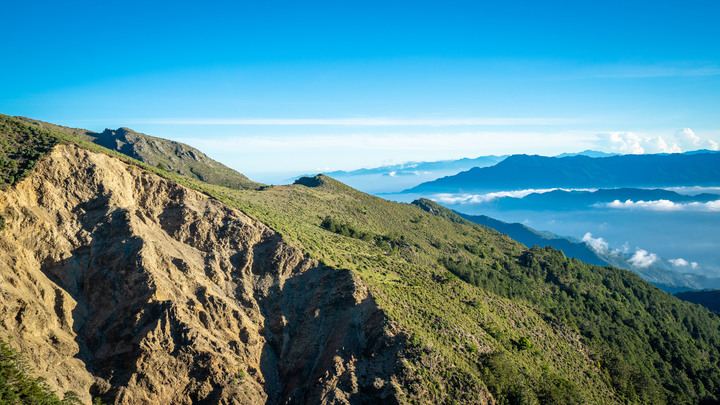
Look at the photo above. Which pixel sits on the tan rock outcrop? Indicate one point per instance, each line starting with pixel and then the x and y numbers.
pixel 117 283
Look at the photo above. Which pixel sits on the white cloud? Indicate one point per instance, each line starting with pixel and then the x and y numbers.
pixel 597 244
pixel 658 145
pixel 659 205
pixel 687 139
pixel 634 143
pixel 642 258
pixel 683 264
pixel 622 142
pixel 679 262
pixel 662 205
pixel 712 205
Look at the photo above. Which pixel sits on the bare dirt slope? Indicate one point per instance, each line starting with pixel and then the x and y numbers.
pixel 120 284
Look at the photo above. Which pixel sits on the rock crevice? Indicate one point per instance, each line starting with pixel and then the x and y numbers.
pixel 127 286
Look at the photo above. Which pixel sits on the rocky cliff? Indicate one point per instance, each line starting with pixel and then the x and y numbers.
pixel 122 285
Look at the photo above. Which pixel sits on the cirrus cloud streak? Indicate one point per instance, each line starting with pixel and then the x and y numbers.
pixel 361 121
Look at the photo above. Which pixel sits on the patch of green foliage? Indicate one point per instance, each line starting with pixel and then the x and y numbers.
pixel 344 229
pixel 21 146
pixel 17 386
pixel 386 242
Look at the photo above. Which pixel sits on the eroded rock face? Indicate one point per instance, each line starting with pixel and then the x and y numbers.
pixel 118 283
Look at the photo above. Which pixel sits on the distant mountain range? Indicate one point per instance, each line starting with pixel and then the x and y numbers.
pixel 588 153
pixel 707 298
pixel 699 168
pixel 395 177
pixel 413 168
pixel 166 154
pixel 392 178
pixel 574 199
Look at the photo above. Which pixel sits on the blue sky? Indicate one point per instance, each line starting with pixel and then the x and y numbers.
pixel 307 86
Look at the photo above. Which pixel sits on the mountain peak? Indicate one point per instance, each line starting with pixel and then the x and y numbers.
pixel 169 155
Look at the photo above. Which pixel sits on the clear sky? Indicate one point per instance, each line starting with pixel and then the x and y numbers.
pixel 307 86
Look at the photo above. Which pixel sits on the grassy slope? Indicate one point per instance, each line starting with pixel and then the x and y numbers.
pixel 531 326
pixel 649 346
pixel 466 336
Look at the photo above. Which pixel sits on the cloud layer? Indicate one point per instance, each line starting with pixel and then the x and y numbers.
pixel 640 258
pixel 447 198
pixel 634 143
pixel 661 205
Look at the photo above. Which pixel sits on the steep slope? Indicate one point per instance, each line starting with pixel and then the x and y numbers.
pixel 530 237
pixel 526 172
pixel 658 274
pixel 173 156
pixel 127 286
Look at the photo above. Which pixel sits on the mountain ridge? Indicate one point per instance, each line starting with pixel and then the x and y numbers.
pixel 532 171
pixel 163 153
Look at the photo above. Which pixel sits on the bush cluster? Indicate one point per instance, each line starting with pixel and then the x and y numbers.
pixel 21 145
pixel 386 242
pixel 17 386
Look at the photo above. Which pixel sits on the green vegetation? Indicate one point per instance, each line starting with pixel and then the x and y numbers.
pixel 639 335
pixel 485 313
pixel 20 147
pixel 18 387
pixel 386 242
